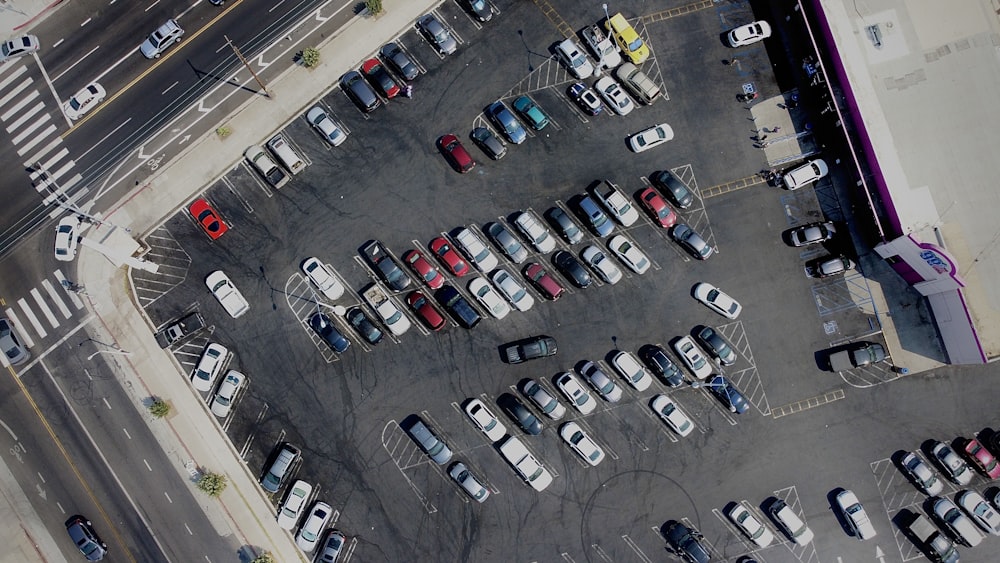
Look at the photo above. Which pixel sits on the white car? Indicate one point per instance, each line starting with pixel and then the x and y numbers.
pixel 618 206
pixel 476 250
pixel 489 298
pixel 535 232
pixel 604 49
pixel 790 523
pixel 209 366
pixel 84 101
pixel 855 515
pixel 333 545
pixel 516 293
pixel 582 444
pixel 981 512
pixel 485 420
pixel 631 370
pixel 308 535
pixel 749 34
pixel 957 523
pixel 614 95
pixel 571 55
pixel 601 382
pixel 577 396
pixel 18 47
pixel 542 399
pixel 229 297
pixel 675 418
pixel 652 137
pixel 327 127
pixel 158 41
pixel 67 238
pixel 629 254
pixel 223 400
pixel 750 525
pixel 291 509
pixel 323 278
pixel 461 474
pixel 955 467
pixel 693 357
pixel 601 264
pixel 394 319
pixel 805 174
pixel 717 300
pixel 921 474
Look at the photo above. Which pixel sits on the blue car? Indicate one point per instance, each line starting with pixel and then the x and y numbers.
pixel 505 120
pixel 728 394
pixel 598 220
pixel 531 112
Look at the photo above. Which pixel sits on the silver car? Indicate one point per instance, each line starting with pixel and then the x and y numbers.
pixel 158 41
pixel 543 400
pixel 437 34
pixel 507 243
pixel 461 474
pixel 601 382
pixel 16 353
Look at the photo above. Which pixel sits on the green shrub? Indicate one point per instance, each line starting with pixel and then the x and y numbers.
pixel 159 408
pixel 310 57
pixel 212 484
pixel 374 7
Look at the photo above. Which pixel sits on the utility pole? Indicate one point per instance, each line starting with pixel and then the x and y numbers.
pixel 247 65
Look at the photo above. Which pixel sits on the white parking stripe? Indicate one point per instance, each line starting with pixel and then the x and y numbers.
pixel 38 139
pixel 7 81
pixel 37 296
pixel 58 300
pixel 32 318
pixel 25 116
pixel 18 107
pixel 15 91
pixel 45 118
pixel 72 296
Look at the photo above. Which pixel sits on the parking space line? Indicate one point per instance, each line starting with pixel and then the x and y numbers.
pixel 255 176
pixel 678 11
pixel 396 435
pixel 549 74
pixel 635 548
pixel 600 552
pixel 658 422
pixel 554 18
pixel 474 21
pixel 806 404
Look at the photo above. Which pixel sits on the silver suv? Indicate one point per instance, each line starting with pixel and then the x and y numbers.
pixel 158 41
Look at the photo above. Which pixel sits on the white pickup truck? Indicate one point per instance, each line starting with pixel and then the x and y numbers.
pixel 525 464
pixel 394 319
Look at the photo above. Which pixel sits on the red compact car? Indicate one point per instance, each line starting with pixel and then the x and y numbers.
pixel 657 207
pixel 545 283
pixel 420 266
pixel 380 78
pixel 428 314
pixel 208 218
pixel 449 257
pixel 983 459
pixel 456 154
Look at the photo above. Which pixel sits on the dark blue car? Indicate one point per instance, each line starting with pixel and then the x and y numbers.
pixel 505 120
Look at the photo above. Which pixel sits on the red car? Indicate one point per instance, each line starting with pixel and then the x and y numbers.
pixel 447 255
pixel 545 283
pixel 657 207
pixel 208 218
pixel 456 154
pixel 380 78
pixel 983 459
pixel 424 270
pixel 428 314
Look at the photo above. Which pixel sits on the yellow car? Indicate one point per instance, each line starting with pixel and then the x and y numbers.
pixel 627 38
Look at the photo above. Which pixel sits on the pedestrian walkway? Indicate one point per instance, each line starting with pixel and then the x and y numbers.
pixel 783 129
pixel 52 302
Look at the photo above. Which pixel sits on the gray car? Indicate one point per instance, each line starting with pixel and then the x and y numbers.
pixel 507 242
pixel 430 443
pixel 599 221
pixel 16 353
pixel 505 120
pixel 716 345
pixel 692 241
pixel 673 188
pixel 359 91
pixel 489 142
pixel 564 225
pixel 437 34
pixel 395 57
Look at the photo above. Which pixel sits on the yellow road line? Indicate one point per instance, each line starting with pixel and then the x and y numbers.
pixel 732 186
pixel 807 404
pixel 555 18
pixel 677 12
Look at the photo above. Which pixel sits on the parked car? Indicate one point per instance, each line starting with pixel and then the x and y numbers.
pixel 629 254
pixel 790 523
pixel 728 394
pixel 534 232
pixel 67 238
pixel 605 51
pixel 465 479
pixel 805 174
pixel 956 469
pixel 574 392
pixel 480 9
pixel 855 515
pixel 226 293
pixel 158 41
pixel 601 264
pixel 921 474
pixel 457 156
pixel 691 241
pixel 716 345
pixel 308 536
pixel 488 297
pixel 749 34
pixel 333 545
pixel 631 370
pixel 650 138
pixel 82 532
pixel 379 77
pixel 687 543
pixel 202 212
pixel 521 414
pixel 400 62
pixel 581 443
pixel 546 403
pixel 828 266
pixel 327 331
pixel 489 143
pixel 531 112
pixel 19 47
pixel 981 458
pixel 586 98
pixel 717 300
pixel 659 362
pixel 285 460
pixel 564 225
pixel 448 256
pixel 295 501
pixel 547 285
pixel 510 288
pixel 572 56
pixel 676 419
pixel 330 130
pixel 11 345
pixel 614 96
pixel 213 359
pixel 812 233
pixel 385 265
pixel 423 268
pixel 506 122
pixel 354 85
pixel 674 189
pixel 984 515
pixel 85 100
pixel 601 382
pixel 426 311
pixel 627 39
pixel 750 525
pixel 531 348
pixel 595 217
pixel 357 318
pixel 322 277
pixel 618 206
pixel 692 357
pixel 571 269
pixel 935 544
pixel 485 420
pixel 960 526
pixel 476 250
pixel 428 441
pixel 657 208
pixel 457 306
pixel 436 33
pixel 507 243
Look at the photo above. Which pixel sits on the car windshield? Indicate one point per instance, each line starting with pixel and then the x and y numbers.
pixel 635 45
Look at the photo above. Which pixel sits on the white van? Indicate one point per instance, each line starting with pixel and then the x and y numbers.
pixel 637 83
pixel 267 168
pixel 281 149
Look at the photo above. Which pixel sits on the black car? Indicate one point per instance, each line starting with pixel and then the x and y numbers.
pixel 686 543
pixel 361 323
pixel 716 345
pixel 457 306
pixel 385 265
pixel 728 394
pixel 400 62
pixel 354 85
pixel 326 330
pixel 564 225
pixel 657 360
pixel 531 348
pixel 488 142
pixel 673 188
pixel 86 539
pixel 479 8
pixel 520 414
pixel 572 269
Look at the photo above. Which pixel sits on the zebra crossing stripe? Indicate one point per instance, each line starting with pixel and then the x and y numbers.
pixel 16 91
pixel 37 296
pixel 72 296
pixel 32 318
pixel 6 81
pixel 48 164
pixel 27 132
pixel 38 139
pixel 18 107
pixel 20 328
pixel 26 116
pixel 41 154
pixel 55 298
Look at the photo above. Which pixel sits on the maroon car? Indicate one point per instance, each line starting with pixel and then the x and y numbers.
pixel 428 314
pixel 657 207
pixel 541 279
pixel 456 154
pixel 420 266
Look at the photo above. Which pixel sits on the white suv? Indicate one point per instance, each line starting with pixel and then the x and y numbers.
pixel 476 251
pixel 612 198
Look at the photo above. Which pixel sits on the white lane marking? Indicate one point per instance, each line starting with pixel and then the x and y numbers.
pixel 51 290
pixel 27 99
pixel 18 328
pixel 45 150
pixel 72 296
pixel 113 131
pixel 38 139
pixel 25 133
pixel 31 318
pixel 16 91
pixel 78 61
pixel 37 296
pixel 17 73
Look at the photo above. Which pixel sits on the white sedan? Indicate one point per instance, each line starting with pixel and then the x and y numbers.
pixel 308 535
pixel 629 254
pixel 574 392
pixel 209 366
pixel 749 34
pixel 984 515
pixel 693 357
pixel 600 263
pixel 476 250
pixel 675 418
pixel 222 403
pixel 516 293
pixel 67 238
pixel 326 126
pixel 631 370
pixel 750 525
pixel 291 509
pixel 582 444
pixel 855 514
pixel 618 206
pixel 717 300
pixel 84 101
pixel 489 298
pixel 614 95
pixel 535 232
pixel 485 420
pixel 323 278
pixel 229 297
pixel 652 137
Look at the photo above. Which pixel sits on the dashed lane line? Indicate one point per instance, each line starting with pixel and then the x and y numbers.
pixel 732 186
pixel 806 404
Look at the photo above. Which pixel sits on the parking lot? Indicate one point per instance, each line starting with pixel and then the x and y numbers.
pixel 389 181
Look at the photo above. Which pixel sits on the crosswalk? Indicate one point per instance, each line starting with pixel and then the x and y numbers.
pixel 32 125
pixel 51 295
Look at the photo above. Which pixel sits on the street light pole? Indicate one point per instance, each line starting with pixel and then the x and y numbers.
pixel 605 6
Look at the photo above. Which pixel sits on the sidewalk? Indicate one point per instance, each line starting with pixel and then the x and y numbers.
pixel 191 435
pixel 18 16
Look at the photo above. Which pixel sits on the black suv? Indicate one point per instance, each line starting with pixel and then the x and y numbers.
pixel 530 348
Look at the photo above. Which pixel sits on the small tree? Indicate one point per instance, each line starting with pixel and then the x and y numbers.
pixel 159 408
pixel 224 131
pixel 212 484
pixel 310 57
pixel 265 557
pixel 374 7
